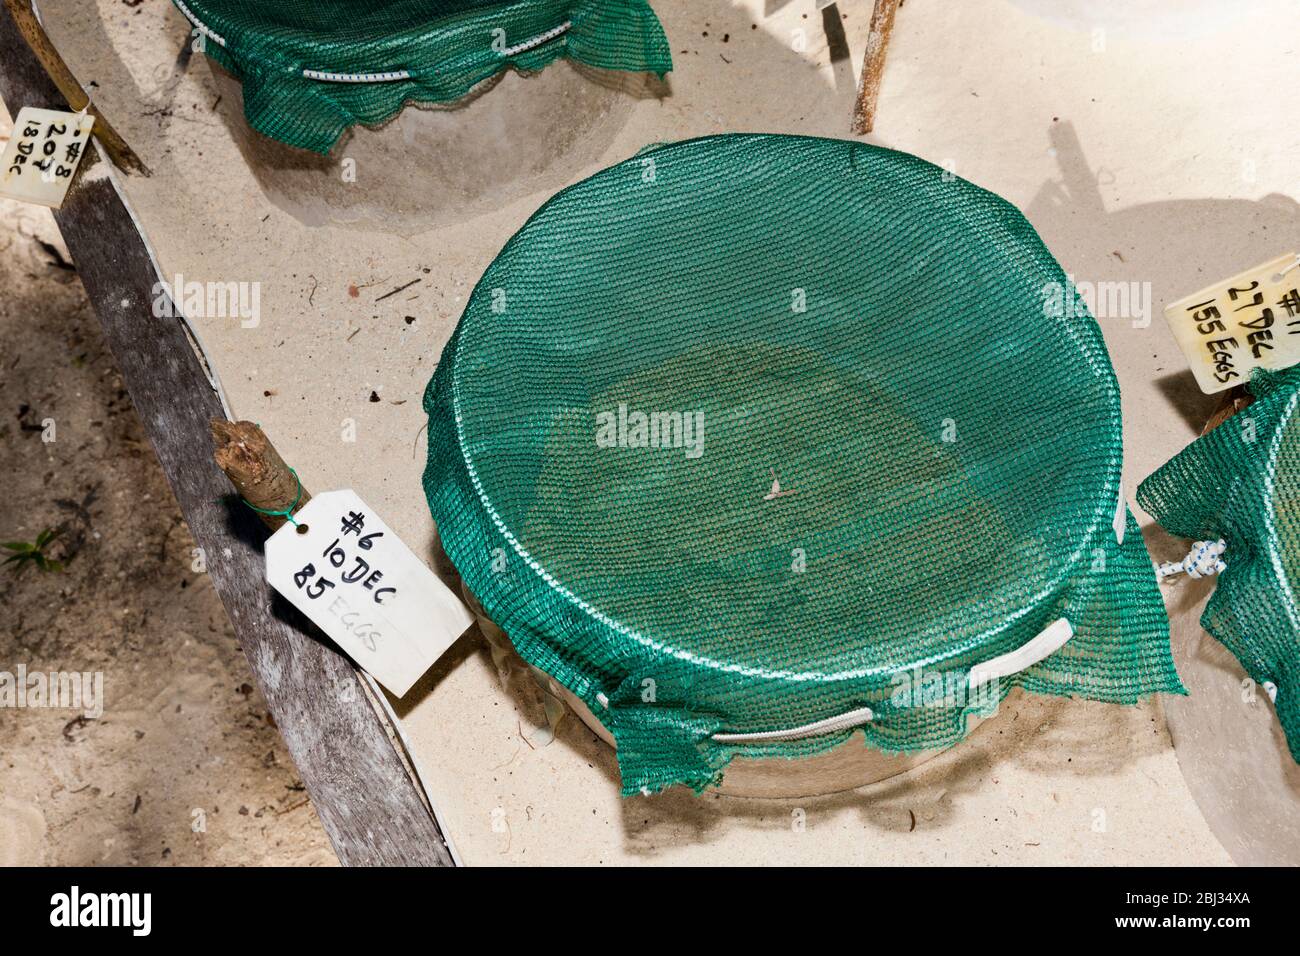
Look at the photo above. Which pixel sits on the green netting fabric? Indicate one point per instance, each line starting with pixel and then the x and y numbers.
pixel 748 433
pixel 1241 482
pixel 312 68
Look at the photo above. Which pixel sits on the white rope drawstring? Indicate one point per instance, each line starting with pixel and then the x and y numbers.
pixel 201 27
pixel 1203 561
pixel 385 77
pixel 853 718
pixel 538 40
pixel 391 75
pixel 1051 639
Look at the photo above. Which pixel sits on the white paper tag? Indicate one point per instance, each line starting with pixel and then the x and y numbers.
pixel 44 151
pixel 346 570
pixel 1233 327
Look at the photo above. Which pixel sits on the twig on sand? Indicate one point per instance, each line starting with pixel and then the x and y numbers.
pixel 398 289
pixel 873 65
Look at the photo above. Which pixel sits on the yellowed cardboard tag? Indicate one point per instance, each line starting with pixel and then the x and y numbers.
pixel 1233 327
pixel 348 572
pixel 44 151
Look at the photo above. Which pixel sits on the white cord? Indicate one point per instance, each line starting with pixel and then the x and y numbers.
pixel 357 77
pixel 829 725
pixel 1293 265
pixel 1051 639
pixel 853 718
pixel 202 28
pixel 537 40
pixel 1203 561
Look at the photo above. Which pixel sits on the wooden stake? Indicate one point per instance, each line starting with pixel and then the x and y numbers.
pixel 873 65
pixel 256 470
pixel 114 145
pixel 1233 401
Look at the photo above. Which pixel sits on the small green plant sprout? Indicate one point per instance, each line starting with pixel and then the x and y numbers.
pixel 24 554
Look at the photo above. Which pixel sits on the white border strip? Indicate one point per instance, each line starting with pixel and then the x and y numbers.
pixel 387 76
pixel 191 330
pixel 378 695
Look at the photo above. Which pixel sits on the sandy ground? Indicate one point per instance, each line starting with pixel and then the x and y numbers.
pixel 184 766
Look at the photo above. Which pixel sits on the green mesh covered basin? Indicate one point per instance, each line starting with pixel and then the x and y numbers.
pixel 312 68
pixel 757 442
pixel 1241 483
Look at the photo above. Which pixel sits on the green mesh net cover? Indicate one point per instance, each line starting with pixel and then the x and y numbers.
pixel 312 68
pixel 753 435
pixel 1241 482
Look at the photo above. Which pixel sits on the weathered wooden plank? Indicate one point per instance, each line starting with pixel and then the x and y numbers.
pixel 369 805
